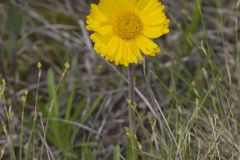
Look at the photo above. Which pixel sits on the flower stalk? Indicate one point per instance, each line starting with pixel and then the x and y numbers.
pixel 132 106
pixel 131 102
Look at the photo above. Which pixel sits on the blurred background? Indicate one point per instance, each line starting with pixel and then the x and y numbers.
pixel 187 97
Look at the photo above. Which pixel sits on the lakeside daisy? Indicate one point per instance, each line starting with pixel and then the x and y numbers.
pixel 123 29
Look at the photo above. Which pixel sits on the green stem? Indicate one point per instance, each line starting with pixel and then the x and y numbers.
pixel 131 92
pixel 131 153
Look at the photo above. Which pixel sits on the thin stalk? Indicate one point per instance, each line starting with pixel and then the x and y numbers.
pixel 50 109
pixel 22 125
pixel 131 153
pixel 36 108
pixel 32 134
pixel 131 93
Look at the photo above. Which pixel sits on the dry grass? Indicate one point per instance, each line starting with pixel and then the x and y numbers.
pixel 187 97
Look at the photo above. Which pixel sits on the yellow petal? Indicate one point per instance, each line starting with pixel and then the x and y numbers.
pixel 154 19
pixel 147 46
pixel 112 47
pixel 155 31
pixel 143 3
pixel 119 55
pixel 103 30
pixel 136 50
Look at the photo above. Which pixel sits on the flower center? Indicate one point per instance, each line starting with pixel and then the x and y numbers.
pixel 128 26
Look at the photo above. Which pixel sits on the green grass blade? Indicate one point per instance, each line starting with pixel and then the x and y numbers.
pixel 55 112
pixel 131 153
pixel 70 103
pixel 94 106
pixel 116 154
pixel 52 93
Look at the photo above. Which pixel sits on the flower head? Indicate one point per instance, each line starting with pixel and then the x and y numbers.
pixel 123 29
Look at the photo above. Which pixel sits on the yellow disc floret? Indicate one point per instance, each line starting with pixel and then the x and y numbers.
pixel 127 26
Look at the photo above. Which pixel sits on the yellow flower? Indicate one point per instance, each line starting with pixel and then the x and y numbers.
pixel 124 29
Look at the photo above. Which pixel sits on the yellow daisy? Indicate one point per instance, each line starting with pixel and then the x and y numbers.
pixel 124 29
